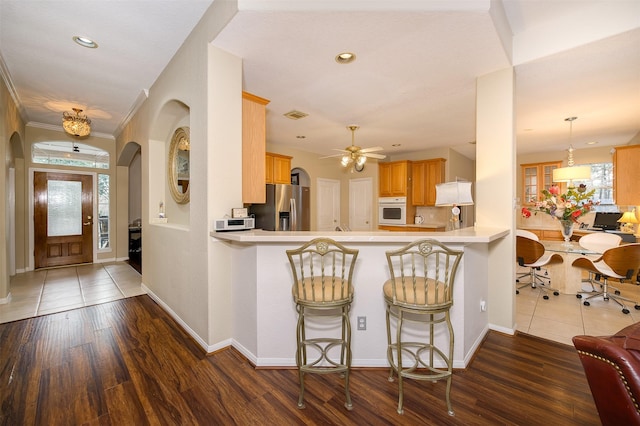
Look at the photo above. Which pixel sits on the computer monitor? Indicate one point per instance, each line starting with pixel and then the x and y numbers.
pixel 607 221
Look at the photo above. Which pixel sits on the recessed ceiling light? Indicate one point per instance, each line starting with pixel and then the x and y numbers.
pixel 85 42
pixel 300 137
pixel 345 57
pixel 592 143
pixel 396 144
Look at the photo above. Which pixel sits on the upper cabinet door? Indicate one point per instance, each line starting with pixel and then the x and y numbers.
pixel 626 175
pixel 254 134
pixel 278 168
pixel 426 175
pixel 399 180
pixel 535 178
pixel 384 177
pixel 394 178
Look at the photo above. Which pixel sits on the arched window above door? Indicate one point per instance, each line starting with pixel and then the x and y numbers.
pixel 69 154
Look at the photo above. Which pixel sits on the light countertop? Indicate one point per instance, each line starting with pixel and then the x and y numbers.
pixel 465 235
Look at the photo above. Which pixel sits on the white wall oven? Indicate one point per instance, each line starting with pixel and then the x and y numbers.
pixel 392 210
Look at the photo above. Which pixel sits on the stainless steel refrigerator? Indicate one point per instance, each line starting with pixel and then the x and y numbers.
pixel 286 209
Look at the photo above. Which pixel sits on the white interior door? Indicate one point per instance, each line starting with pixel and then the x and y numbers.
pixel 360 200
pixel 328 204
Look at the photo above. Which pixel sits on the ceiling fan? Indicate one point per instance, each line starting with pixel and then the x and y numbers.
pixel 356 155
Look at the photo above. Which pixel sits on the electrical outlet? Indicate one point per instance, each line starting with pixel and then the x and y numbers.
pixel 362 323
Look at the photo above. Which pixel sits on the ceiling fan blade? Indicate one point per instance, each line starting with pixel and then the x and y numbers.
pixel 331 156
pixel 378 156
pixel 341 150
pixel 372 149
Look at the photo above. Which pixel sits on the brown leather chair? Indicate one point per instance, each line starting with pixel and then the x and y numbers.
pixel 612 367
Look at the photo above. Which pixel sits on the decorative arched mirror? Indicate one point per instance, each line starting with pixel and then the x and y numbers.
pixel 178 165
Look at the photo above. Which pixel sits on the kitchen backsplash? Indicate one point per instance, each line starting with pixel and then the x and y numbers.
pixel 434 215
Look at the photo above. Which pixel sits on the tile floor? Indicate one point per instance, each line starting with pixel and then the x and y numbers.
pixel 561 317
pixel 55 290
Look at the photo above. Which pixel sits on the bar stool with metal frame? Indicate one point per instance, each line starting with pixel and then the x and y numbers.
pixel 420 290
pixel 323 285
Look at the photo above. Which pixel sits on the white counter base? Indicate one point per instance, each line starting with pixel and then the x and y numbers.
pixel 264 315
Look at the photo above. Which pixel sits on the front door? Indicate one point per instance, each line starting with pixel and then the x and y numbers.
pixel 63 219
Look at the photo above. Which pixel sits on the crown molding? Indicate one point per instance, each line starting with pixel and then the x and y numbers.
pixel 6 77
pixel 140 100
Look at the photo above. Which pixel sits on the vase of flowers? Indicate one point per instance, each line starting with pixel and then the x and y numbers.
pixel 566 208
pixel 566 228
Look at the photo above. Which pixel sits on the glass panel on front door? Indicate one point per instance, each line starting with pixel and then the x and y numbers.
pixel 64 210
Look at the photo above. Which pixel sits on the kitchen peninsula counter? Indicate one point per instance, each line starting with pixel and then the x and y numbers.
pixel 465 235
pixel 264 314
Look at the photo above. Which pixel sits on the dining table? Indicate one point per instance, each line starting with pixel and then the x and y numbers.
pixel 564 277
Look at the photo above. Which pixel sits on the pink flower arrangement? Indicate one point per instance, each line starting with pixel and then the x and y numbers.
pixel 568 206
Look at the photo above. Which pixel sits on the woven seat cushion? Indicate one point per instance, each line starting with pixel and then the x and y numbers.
pixel 313 290
pixel 419 296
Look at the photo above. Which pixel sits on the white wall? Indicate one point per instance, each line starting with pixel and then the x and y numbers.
pixel 495 188
pixel 181 267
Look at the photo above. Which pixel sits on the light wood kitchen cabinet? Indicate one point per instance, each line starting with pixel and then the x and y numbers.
pixel 277 168
pixel 394 178
pixel 626 175
pixel 535 178
pixel 254 140
pixel 547 234
pixel 426 175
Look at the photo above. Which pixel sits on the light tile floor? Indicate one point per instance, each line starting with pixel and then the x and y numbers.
pixel 55 290
pixel 561 317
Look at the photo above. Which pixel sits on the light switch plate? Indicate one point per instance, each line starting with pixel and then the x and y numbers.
pixel 239 212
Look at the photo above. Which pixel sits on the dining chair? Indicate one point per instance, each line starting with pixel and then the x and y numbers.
pixel 531 254
pixel 619 263
pixel 323 287
pixel 598 242
pixel 420 290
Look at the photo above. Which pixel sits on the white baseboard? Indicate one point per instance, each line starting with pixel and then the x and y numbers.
pixel 509 331
pixel 5 300
pixel 176 317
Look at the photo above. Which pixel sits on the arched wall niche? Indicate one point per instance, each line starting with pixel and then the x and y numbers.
pixel 15 193
pixel 172 115
pixel 128 152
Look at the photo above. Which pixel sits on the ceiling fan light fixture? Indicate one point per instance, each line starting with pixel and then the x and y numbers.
pixel 361 160
pixel 76 123
pixel 346 160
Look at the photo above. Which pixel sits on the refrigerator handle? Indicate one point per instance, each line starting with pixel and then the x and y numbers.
pixel 294 214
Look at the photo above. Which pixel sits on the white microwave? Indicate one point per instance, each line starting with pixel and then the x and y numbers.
pixel 392 210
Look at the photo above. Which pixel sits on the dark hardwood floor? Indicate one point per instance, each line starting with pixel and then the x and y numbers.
pixel 128 363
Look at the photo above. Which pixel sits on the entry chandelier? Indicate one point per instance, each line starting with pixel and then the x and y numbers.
pixel 76 124
pixel 571 172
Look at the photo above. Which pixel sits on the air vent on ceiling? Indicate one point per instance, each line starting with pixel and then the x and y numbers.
pixel 295 115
